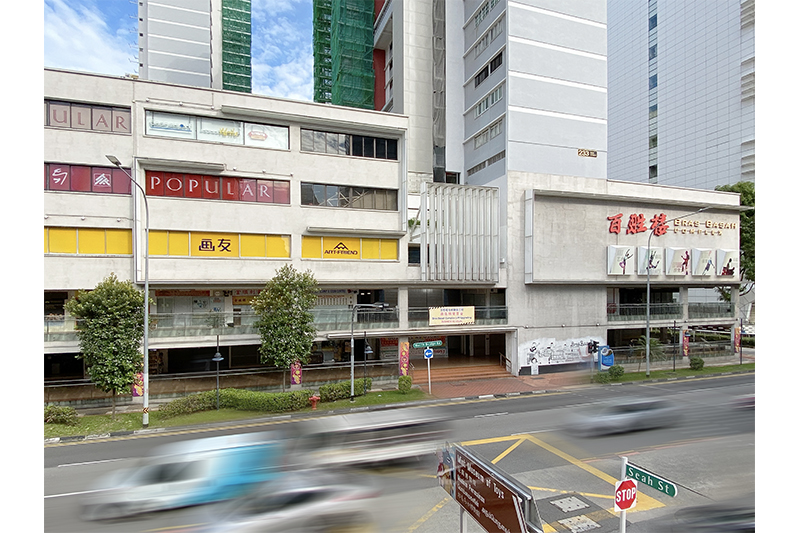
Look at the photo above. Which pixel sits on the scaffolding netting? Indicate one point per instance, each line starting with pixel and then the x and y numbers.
pixel 343 50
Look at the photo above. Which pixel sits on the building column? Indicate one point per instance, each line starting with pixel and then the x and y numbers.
pixel 402 307
pixel 734 291
pixel 684 296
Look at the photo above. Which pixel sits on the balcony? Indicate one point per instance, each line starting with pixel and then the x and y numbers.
pixel 58 328
pixel 711 310
pixel 638 312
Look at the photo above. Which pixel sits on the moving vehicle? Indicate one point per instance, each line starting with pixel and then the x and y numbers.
pixel 186 474
pixel 305 501
pixel 369 437
pixel 713 518
pixel 624 416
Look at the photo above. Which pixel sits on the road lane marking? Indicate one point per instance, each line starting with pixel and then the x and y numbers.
pixel 73 493
pixel 508 450
pixel 429 514
pixel 90 463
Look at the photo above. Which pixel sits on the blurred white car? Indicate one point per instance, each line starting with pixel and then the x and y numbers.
pixel 303 501
pixel 624 416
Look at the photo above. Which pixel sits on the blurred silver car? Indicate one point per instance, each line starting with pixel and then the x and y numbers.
pixel 624 416
pixel 713 518
pixel 303 501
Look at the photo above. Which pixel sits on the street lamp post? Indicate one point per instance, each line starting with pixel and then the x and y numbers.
pixel 145 348
pixel 382 306
pixel 217 357
pixel 647 326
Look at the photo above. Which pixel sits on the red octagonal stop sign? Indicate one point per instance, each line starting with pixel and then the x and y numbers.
pixel 625 495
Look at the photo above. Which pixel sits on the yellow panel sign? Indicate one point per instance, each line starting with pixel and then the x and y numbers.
pixel 215 245
pixel 450 316
pixel 341 248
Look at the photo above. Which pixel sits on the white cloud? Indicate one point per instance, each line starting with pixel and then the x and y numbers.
pixel 77 37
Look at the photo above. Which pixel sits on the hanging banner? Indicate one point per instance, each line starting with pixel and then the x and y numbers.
pixel 404 362
pixel 737 338
pixel 137 389
pixel 451 316
pixel 686 344
pixel 297 373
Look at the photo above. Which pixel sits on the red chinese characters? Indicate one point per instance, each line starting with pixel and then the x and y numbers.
pixel 637 224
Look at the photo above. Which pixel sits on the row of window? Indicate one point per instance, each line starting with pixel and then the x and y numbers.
pixel 346 196
pixel 99 241
pixel 483 43
pixel 484 10
pixel 493 65
pixel 492 98
pixel 483 164
pixel 346 144
pixel 489 133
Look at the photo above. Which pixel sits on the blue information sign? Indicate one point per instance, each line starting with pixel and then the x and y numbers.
pixel 428 353
pixel 606 356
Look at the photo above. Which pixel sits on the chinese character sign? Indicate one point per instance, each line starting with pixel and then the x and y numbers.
pixel 637 223
pixel 215 244
pixel 442 316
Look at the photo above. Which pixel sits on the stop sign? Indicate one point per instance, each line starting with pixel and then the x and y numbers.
pixel 625 495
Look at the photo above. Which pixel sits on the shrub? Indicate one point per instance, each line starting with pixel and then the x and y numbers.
pixel 56 414
pixel 615 372
pixel 341 390
pixel 243 400
pixel 696 363
pixel 404 384
pixel 601 377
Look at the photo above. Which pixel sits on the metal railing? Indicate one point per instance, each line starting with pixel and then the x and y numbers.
pixel 711 310
pixel 636 354
pixel 636 312
pixel 60 328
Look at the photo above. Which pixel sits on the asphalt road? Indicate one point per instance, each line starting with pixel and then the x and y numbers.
pixel 710 455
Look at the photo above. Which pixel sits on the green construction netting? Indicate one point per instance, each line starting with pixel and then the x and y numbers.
pixel 343 46
pixel 236 45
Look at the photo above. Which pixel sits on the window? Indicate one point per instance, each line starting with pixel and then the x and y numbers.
pixel 490 36
pixel 496 62
pixel 321 194
pixel 653 171
pixel 346 144
pixel 494 97
pixel 482 75
pixel 653 21
pixel 654 81
pixel 489 133
pixel 653 51
pixel 653 111
pixel 654 141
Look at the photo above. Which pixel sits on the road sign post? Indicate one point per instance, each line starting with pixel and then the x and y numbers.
pixel 428 357
pixel 623 494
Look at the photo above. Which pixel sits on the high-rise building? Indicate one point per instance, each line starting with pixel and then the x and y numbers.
pixel 196 42
pixel 681 92
pixel 343 53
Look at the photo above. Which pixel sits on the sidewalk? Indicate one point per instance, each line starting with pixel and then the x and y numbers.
pixel 482 388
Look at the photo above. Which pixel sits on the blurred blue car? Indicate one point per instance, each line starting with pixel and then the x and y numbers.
pixel 185 474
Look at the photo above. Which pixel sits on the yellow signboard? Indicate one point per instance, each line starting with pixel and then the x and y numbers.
pixel 215 245
pixel 450 316
pixel 341 248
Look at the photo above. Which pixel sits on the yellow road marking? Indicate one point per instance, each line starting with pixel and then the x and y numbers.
pixel 429 514
pixel 508 451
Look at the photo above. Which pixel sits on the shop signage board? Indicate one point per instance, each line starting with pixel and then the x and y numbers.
pixel 495 500
pixel 451 316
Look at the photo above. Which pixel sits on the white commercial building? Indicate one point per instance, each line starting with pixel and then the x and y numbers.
pixel 238 185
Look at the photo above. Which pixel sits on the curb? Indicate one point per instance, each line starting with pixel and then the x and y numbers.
pixel 682 378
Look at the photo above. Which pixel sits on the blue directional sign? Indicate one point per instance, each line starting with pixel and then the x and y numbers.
pixel 428 353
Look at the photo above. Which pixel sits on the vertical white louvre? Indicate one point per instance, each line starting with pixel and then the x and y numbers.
pixel 459 233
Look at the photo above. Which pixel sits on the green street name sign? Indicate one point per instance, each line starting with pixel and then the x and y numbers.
pixel 651 480
pixel 429 344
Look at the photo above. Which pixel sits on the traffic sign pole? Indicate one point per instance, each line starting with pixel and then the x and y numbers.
pixel 428 357
pixel 623 513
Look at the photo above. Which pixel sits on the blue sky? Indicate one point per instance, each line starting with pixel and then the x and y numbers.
pixel 100 36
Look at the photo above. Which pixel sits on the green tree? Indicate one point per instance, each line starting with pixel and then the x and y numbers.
pixel 110 324
pixel 747 236
pixel 285 321
pixel 656 349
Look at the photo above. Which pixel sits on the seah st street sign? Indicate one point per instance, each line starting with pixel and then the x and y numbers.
pixel 651 480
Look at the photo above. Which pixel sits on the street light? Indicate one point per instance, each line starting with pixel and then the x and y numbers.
pixel 217 357
pixel 647 331
pixel 145 373
pixel 382 306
